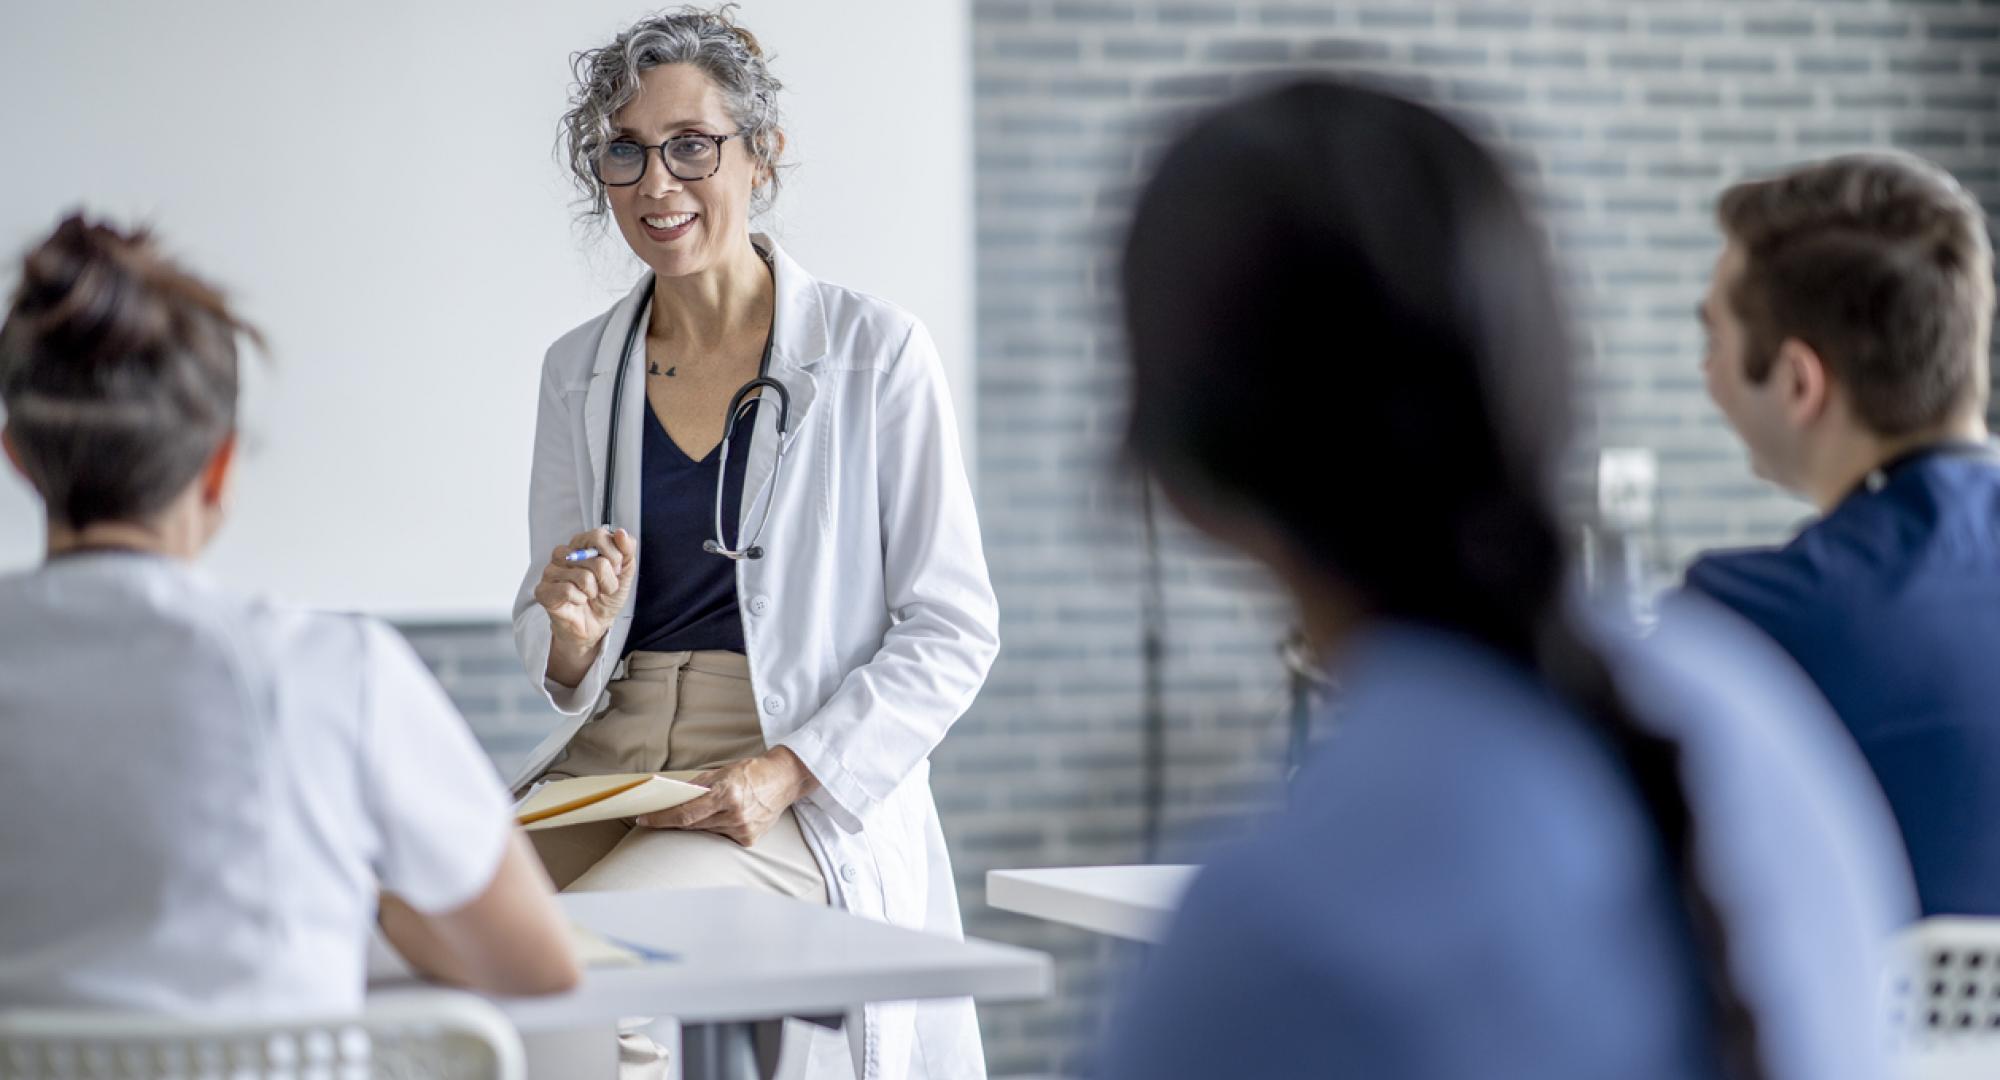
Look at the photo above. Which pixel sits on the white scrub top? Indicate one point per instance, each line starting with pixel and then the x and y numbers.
pixel 201 794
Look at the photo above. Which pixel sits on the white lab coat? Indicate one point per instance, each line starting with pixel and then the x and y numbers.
pixel 870 623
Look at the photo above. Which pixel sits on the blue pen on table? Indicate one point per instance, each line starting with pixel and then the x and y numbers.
pixel 645 952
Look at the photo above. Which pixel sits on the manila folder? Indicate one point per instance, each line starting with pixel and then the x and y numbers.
pixel 601 798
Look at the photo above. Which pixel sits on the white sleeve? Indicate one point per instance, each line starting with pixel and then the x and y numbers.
pixel 556 512
pixel 436 802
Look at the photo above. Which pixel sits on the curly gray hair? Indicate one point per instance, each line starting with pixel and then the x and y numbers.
pixel 608 77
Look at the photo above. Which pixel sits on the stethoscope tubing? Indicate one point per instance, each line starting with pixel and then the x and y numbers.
pixel 738 403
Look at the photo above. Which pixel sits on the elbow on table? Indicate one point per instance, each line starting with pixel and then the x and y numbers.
pixel 554 973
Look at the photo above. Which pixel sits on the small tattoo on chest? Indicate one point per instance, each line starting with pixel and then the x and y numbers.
pixel 654 369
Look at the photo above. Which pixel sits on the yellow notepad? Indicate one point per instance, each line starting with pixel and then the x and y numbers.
pixel 601 798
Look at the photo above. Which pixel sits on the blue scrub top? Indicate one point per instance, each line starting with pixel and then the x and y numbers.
pixel 1892 604
pixel 1465 883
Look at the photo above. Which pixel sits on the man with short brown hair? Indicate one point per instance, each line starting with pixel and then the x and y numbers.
pixel 1848 324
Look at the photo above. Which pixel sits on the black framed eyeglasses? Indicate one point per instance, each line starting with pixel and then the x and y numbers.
pixel 694 156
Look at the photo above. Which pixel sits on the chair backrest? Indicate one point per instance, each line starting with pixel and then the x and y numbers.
pixel 1942 996
pixel 433 1034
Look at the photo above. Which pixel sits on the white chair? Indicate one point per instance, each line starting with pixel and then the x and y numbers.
pixel 1943 999
pixel 401 1035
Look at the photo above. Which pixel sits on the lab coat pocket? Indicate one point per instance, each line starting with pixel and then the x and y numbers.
pixel 896 838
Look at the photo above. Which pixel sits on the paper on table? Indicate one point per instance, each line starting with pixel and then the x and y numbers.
pixel 601 798
pixel 594 950
pixel 591 948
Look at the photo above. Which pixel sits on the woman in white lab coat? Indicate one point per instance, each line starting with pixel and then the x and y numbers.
pixel 807 686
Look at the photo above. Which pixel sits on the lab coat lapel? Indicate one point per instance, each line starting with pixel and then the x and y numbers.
pixel 799 342
pixel 597 411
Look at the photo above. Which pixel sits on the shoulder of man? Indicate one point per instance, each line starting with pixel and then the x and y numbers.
pixel 1771 586
pixel 1821 566
pixel 1747 577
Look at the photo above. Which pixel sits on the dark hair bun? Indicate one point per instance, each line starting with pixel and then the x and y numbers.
pixel 117 371
pixel 83 295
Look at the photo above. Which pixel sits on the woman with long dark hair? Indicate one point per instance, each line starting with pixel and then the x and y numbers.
pixel 1349 361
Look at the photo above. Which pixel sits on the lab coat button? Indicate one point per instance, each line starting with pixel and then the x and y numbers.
pixel 774 704
pixel 848 872
pixel 759 605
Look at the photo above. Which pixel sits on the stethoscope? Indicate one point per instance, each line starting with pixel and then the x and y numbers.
pixel 739 404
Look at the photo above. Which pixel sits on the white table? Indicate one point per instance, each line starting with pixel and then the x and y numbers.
pixel 1954 1063
pixel 741 956
pixel 1131 902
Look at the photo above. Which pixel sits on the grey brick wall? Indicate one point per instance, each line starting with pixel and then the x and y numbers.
pixel 1623 119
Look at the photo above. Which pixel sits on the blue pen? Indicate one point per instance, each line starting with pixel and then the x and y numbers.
pixel 580 554
pixel 645 952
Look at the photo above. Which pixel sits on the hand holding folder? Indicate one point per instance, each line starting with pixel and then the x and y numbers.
pixel 602 798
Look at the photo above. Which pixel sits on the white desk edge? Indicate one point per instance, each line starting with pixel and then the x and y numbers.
pixel 1131 902
pixel 822 962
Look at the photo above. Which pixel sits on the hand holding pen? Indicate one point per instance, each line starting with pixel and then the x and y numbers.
pixel 586 584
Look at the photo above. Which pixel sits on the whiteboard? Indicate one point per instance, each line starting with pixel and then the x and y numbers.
pixel 287 151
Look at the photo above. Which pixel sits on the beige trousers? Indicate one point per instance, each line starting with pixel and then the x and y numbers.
pixel 678 712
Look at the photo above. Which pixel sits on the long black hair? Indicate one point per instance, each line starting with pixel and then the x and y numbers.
pixel 1343 324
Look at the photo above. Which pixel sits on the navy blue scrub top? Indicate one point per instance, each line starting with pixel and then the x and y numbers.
pixel 686 597
pixel 1891 603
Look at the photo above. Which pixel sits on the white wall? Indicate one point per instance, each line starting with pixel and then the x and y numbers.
pixel 374 183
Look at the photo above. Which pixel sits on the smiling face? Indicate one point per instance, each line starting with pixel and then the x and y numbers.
pixel 682 227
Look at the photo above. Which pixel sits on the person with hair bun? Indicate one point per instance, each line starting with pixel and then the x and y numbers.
pixel 205 800
pixel 755 560
pixel 1532 847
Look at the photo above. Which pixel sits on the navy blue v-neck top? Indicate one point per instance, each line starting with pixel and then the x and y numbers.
pixel 686 597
